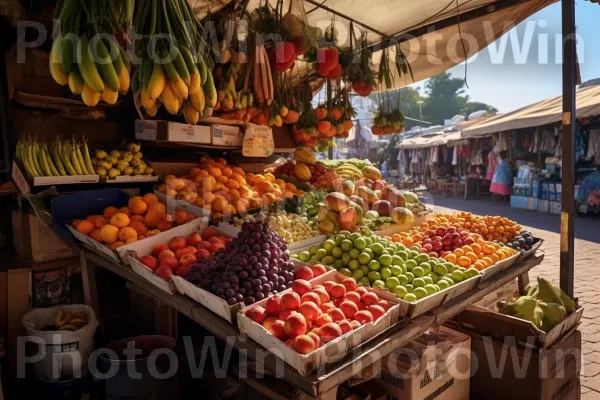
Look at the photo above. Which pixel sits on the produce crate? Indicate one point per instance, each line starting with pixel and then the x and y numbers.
pixel 537 243
pixel 135 251
pixel 27 184
pixel 416 308
pixel 233 231
pixel 491 323
pixel 332 351
pixel 68 207
pixel 499 267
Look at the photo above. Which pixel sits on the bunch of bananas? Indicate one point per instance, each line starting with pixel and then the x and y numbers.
pixel 70 321
pixel 116 162
pixel 85 55
pixel 58 159
pixel 176 73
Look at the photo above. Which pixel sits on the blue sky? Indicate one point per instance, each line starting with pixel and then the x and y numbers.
pixel 517 82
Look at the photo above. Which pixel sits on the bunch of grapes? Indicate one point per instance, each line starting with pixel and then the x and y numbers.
pixel 317 171
pixel 252 266
pixel 285 169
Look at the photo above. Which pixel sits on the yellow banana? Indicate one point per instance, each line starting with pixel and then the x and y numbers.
pixel 152 111
pixel 194 83
pixel 68 327
pixel 157 82
pixel 189 112
pixel 170 100
pixel 124 80
pixel 90 96
pixel 76 82
pixel 197 100
pixel 58 319
pixel 109 96
pixel 147 102
pixel 80 315
pixel 179 88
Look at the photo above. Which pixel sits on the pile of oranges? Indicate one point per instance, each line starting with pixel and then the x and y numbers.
pixel 480 255
pixel 142 217
pixel 224 189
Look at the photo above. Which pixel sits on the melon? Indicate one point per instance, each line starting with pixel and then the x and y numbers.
pixel 402 216
pixel 383 208
pixel 337 202
pixel 362 203
pixel 367 194
pixel 394 196
pixel 347 219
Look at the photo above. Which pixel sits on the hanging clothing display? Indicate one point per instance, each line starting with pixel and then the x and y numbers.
pixel 580 149
pixel 593 151
pixel 454 155
pixel 492 164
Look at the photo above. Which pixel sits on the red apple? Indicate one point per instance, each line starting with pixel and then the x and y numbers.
pixel 159 248
pixel 187 259
pixel 178 242
pixel 273 305
pixel 170 262
pixel 193 239
pixel 305 273
pixel 290 301
pixel 181 252
pixel 164 272
pixel 318 269
pixel 202 253
pixel 182 271
pixel 257 314
pixel 203 245
pixel 150 262
pixel 166 253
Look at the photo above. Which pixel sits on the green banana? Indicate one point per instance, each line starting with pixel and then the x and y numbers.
pixel 201 69
pixel 106 66
pixel 88 68
pixel 181 67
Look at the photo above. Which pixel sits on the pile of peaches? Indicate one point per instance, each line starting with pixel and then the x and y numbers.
pixel 176 256
pixel 223 189
pixel 144 216
pixel 309 316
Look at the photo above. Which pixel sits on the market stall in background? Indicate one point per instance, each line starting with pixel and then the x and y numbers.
pixel 181 197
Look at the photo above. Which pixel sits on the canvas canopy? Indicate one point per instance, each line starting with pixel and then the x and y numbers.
pixel 545 112
pixel 430 140
pixel 431 32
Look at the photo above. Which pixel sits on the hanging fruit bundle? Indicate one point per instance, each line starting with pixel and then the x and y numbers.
pixel 305 130
pixel 387 123
pixel 388 119
pixel 85 55
pixel 175 70
pixel 342 113
pixel 360 73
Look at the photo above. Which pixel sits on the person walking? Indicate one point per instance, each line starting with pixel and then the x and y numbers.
pixel 502 180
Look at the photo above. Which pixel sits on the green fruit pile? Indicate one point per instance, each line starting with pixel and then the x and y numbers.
pixel 116 162
pixel 376 262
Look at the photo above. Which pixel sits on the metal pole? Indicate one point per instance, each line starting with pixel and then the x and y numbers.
pixel 567 248
pixel 329 107
pixel 420 103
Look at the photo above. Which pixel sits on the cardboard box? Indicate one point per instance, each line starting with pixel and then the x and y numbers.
pixel 51 282
pixel 437 365
pixel 525 374
pixel 226 135
pixel 555 207
pixel 35 241
pixel 558 191
pixel 166 131
pixel 544 206
pixel 525 203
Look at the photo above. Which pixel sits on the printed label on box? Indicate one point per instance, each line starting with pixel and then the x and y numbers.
pixel 258 141
pixel 226 135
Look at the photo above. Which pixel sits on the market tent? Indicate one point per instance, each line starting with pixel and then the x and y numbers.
pixel 431 33
pixel 545 112
pixel 430 140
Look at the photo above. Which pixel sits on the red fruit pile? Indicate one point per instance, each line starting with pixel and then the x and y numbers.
pixel 362 88
pixel 283 56
pixel 309 316
pixel 328 63
pixel 442 241
pixel 176 256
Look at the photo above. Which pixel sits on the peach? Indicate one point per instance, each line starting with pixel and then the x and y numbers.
pixel 318 270
pixel 273 305
pixel 304 344
pixel 187 259
pixel 183 271
pixel 116 245
pixel 370 298
pixel 338 302
pixel 182 252
pixel 326 307
pixel 150 262
pixel 119 220
pixel 355 324
pixel 139 227
pixel 345 326
pixel 159 248
pixel 110 211
pixel 127 233
pixel 257 314
pixel 164 272
pixel 336 314
pixel 158 208
pixel 278 330
pixel 376 311
pixel 318 286
pixel 290 301
pixel 85 227
pixel 349 284
pixel 180 217
pixel 178 242
pixel 202 254
pixel 322 294
pixel 349 308
pixel 310 311
pixel 363 316
pixel 131 240
pixel 284 314
pixel 323 319
pixel 328 285
pixel 170 262
pixel 96 234
pixel 164 225
pixel 109 233
pixel 290 343
pixel 193 239
pixel 337 291
pixel 166 253
pixel 152 219
pixel 353 297
pixel 268 322
pixel 295 325
pixel 330 331
pixel 315 337
pixel 301 286
pixel 361 290
pixel 362 306
pixel 126 211
pixel 310 297
pixel 386 305
pixel 305 273
pixel 139 218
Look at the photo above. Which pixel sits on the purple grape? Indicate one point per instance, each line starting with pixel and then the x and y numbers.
pixel 247 285
pixel 272 277
pixel 238 297
pixel 253 260
pixel 266 288
pixel 235 280
pixel 281 287
pixel 235 287
pixel 249 300
pixel 263 279
pixel 244 275
pixel 242 291
pixel 259 296
pixel 281 279
pixel 250 242
pixel 225 285
pixel 285 256
pixel 261 273
pixel 254 274
pixel 257 235
pixel 231 301
pixel 268 237
pixel 266 254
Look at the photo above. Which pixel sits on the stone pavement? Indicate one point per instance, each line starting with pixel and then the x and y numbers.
pixel 587 278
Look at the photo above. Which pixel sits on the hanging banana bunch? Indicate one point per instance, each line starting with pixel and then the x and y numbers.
pixel 176 73
pixel 85 55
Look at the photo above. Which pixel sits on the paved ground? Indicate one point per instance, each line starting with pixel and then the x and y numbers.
pixel 587 269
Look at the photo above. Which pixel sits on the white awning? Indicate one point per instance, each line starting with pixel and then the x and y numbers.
pixel 431 140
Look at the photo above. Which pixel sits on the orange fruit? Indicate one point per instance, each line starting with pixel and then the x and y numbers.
pixel 222 179
pixel 163 188
pixel 239 206
pixel 229 209
pixel 75 223
pixel 116 245
pixel 126 211
pixel 152 218
pixel 109 233
pixel 467 249
pixel 133 200
pixel 288 195
pixel 476 248
pixel 227 172
pixel 180 217
pixel 495 258
pixel 96 234
pixel 127 233
pixel 150 198
pixel 472 256
pixel 451 258
pixel 479 265
pixel 216 172
pixel 199 202
pixel 86 227
pixel 131 240
pixel 488 249
pixel 110 211
pixel 120 220
pixel 158 207
pixel 218 204
pixel 234 195
pixel 232 184
pixel 459 252
pixel 221 161
pixel 138 207
pixel 207 161
pixel 98 220
pixel 139 218
pixel 138 226
pixel 487 261
pixel 464 261
pixel 218 187
pixel 208 197
pixel 170 177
